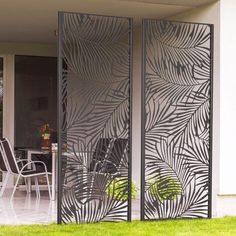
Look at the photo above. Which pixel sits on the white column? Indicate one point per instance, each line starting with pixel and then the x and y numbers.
pixel 8 101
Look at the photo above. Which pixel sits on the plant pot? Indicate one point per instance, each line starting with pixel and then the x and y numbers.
pixel 46 142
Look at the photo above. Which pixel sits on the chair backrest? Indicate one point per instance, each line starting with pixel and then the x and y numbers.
pixel 100 152
pixel 115 156
pixel 3 166
pixel 9 156
pixel 108 158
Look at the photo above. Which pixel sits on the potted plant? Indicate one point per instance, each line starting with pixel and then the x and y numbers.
pixel 164 188
pixel 45 136
pixel 118 189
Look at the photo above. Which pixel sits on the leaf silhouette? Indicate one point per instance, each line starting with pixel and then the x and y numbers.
pixel 177 79
pixel 95 130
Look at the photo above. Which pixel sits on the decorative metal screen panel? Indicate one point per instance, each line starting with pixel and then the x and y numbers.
pixel 94 118
pixel 176 124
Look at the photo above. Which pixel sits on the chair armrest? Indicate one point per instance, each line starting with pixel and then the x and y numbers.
pixel 21 160
pixel 108 161
pixel 34 166
pixel 102 163
pixel 95 166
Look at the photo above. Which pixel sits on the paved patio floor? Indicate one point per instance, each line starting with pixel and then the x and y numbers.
pixel 27 209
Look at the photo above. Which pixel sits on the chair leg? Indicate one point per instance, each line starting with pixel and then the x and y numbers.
pixel 18 178
pixel 37 187
pixel 26 186
pixel 49 192
pixel 92 186
pixel 4 184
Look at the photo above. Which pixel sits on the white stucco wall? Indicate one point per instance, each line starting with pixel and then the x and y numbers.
pixel 226 204
pixel 228 97
pixel 30 49
pixel 136 111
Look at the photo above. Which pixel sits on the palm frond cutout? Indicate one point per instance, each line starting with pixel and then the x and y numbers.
pixel 95 129
pixel 177 65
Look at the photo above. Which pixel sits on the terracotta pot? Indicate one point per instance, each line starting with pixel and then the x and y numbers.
pixel 46 142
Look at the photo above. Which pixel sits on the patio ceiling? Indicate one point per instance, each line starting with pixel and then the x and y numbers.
pixel 31 21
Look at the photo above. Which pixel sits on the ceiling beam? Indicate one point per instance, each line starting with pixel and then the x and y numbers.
pixel 191 3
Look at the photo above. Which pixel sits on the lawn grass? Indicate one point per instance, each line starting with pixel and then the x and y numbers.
pixel 223 226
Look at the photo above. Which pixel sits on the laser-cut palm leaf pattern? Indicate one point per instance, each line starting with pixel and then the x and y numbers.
pixel 96 116
pixel 177 78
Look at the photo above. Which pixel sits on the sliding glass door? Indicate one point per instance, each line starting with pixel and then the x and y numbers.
pixel 35 98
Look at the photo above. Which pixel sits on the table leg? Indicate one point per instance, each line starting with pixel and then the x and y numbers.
pixel 53 176
pixel 29 179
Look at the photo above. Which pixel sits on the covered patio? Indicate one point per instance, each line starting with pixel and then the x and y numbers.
pixel 28 49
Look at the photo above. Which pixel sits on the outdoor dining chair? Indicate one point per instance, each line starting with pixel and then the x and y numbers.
pixel 3 169
pixel 100 154
pixel 22 168
pixel 108 160
pixel 107 166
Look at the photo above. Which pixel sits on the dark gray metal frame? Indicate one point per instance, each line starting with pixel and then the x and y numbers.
pixel 130 121
pixel 59 117
pixel 60 112
pixel 143 120
pixel 211 120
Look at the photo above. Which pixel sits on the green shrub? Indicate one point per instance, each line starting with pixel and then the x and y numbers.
pixel 118 189
pixel 164 188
